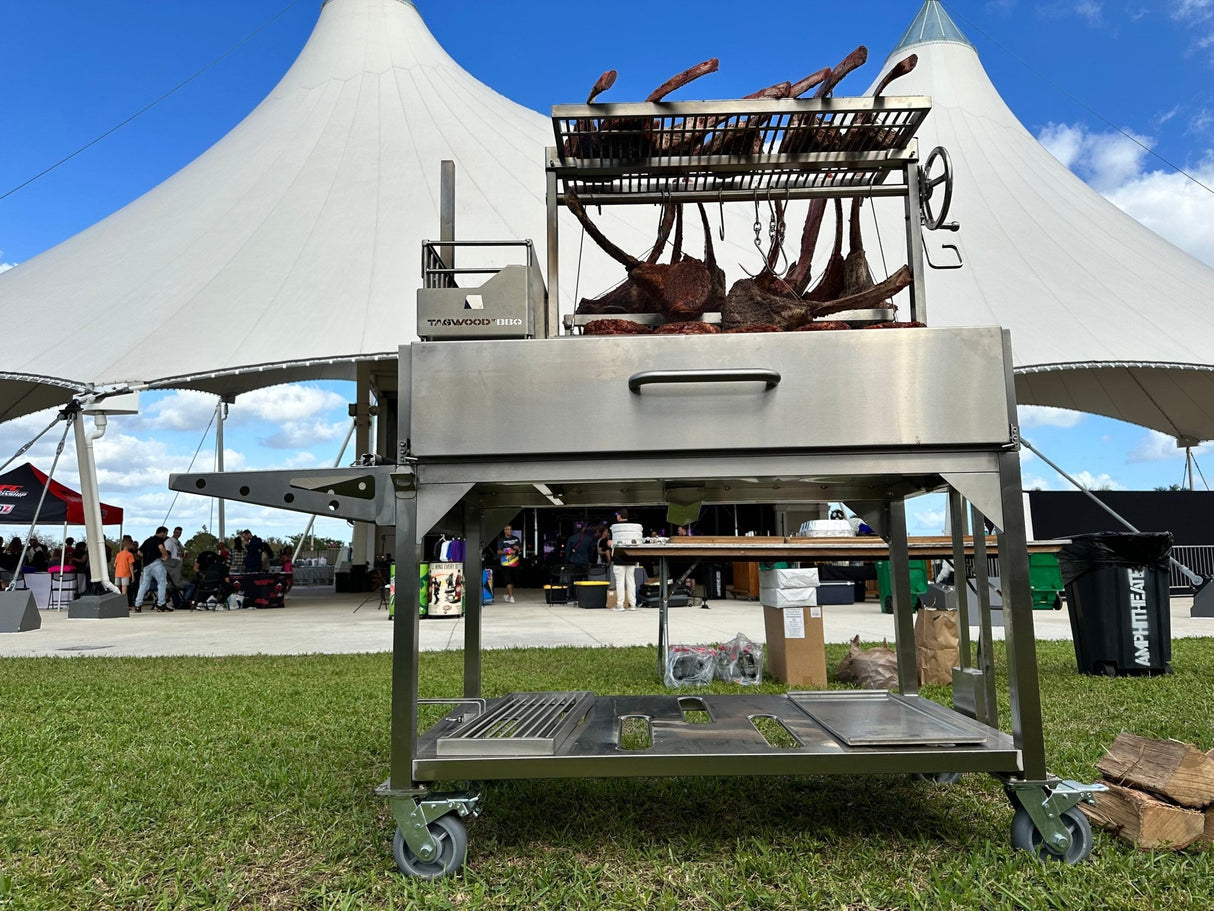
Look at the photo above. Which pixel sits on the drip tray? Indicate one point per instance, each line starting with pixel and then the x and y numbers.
pixel 876 719
pixel 519 724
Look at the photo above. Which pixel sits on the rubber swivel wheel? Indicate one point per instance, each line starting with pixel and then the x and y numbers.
pixel 937 777
pixel 1026 837
pixel 452 838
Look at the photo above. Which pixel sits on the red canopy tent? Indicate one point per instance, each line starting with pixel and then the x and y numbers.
pixel 21 488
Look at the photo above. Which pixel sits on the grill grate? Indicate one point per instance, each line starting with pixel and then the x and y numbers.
pixel 729 148
pixel 520 724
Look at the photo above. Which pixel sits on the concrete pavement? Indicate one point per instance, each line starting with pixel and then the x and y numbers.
pixel 316 620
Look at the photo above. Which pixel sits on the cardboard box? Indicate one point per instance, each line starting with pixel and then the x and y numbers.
pixel 796 645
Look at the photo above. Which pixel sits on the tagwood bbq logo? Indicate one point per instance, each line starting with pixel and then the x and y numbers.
pixel 13 490
pixel 474 321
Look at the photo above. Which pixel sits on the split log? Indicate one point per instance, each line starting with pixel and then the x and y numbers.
pixel 1178 771
pixel 1143 820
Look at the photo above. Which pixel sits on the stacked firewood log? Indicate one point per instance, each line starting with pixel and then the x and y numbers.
pixel 1160 793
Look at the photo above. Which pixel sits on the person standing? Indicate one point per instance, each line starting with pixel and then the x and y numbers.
pixel 580 550
pixel 252 551
pixel 509 551
pixel 124 568
pixel 623 571
pixel 173 545
pixel 155 567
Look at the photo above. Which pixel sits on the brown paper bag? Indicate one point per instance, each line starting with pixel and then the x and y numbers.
pixel 874 668
pixel 611 597
pixel 936 645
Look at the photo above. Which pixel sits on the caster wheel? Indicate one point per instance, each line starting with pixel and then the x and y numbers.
pixel 1026 837
pixel 1107 669
pixel 452 838
pixel 937 777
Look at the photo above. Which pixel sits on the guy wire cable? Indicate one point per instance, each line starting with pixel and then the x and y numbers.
pixel 62 415
pixel 19 572
pixel 147 107
pixel 191 467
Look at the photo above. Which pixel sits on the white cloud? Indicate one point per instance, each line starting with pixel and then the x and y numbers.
pixel 4 267
pixel 1102 481
pixel 1046 416
pixel 1192 10
pixel 1034 482
pixel 927 521
pixel 1159 447
pixel 1089 11
pixel 182 409
pixel 1105 160
pixel 292 402
pixel 1174 207
pixel 1169 203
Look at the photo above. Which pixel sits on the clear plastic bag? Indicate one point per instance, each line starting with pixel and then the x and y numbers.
pixel 740 661
pixel 690 665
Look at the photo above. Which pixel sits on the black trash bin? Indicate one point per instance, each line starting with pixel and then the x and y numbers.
pixel 1117 594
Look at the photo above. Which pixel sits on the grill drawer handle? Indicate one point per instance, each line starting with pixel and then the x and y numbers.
pixel 706 375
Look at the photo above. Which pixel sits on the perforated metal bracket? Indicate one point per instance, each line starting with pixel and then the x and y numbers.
pixel 364 494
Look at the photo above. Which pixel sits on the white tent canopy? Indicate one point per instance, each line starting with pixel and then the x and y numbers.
pixel 1105 314
pixel 290 249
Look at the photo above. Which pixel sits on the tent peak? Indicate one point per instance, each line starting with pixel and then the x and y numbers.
pixel 931 24
pixel 402 2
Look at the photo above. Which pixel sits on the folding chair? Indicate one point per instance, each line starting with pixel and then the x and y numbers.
pixel 63 591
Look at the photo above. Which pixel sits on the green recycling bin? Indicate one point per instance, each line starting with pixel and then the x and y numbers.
pixel 918 581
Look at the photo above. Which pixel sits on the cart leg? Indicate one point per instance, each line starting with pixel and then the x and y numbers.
pixel 473 611
pixel 405 642
pixel 904 617
pixel 1023 689
pixel 986 659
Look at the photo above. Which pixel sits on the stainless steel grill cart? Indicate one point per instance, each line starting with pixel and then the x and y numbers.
pixel 781 424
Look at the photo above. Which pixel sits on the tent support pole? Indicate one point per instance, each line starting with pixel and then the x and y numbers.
pixel 336 464
pixel 360 551
pixel 94 533
pixel 1197 581
pixel 70 414
pixel 221 414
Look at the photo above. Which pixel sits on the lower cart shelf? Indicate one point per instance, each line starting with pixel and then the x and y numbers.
pixel 575 734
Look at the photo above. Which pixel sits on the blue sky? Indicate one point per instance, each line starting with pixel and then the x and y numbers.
pixel 1075 73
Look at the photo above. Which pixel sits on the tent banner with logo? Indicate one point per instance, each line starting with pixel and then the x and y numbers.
pixel 21 489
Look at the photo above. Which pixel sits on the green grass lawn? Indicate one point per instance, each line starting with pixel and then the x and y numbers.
pixel 238 782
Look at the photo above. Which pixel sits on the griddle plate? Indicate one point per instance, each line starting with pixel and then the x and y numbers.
pixel 873 719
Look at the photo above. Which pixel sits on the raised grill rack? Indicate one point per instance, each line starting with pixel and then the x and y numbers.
pixel 521 724
pixel 723 150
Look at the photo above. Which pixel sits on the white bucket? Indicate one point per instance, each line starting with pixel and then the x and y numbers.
pixel 827 528
pixel 626 533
